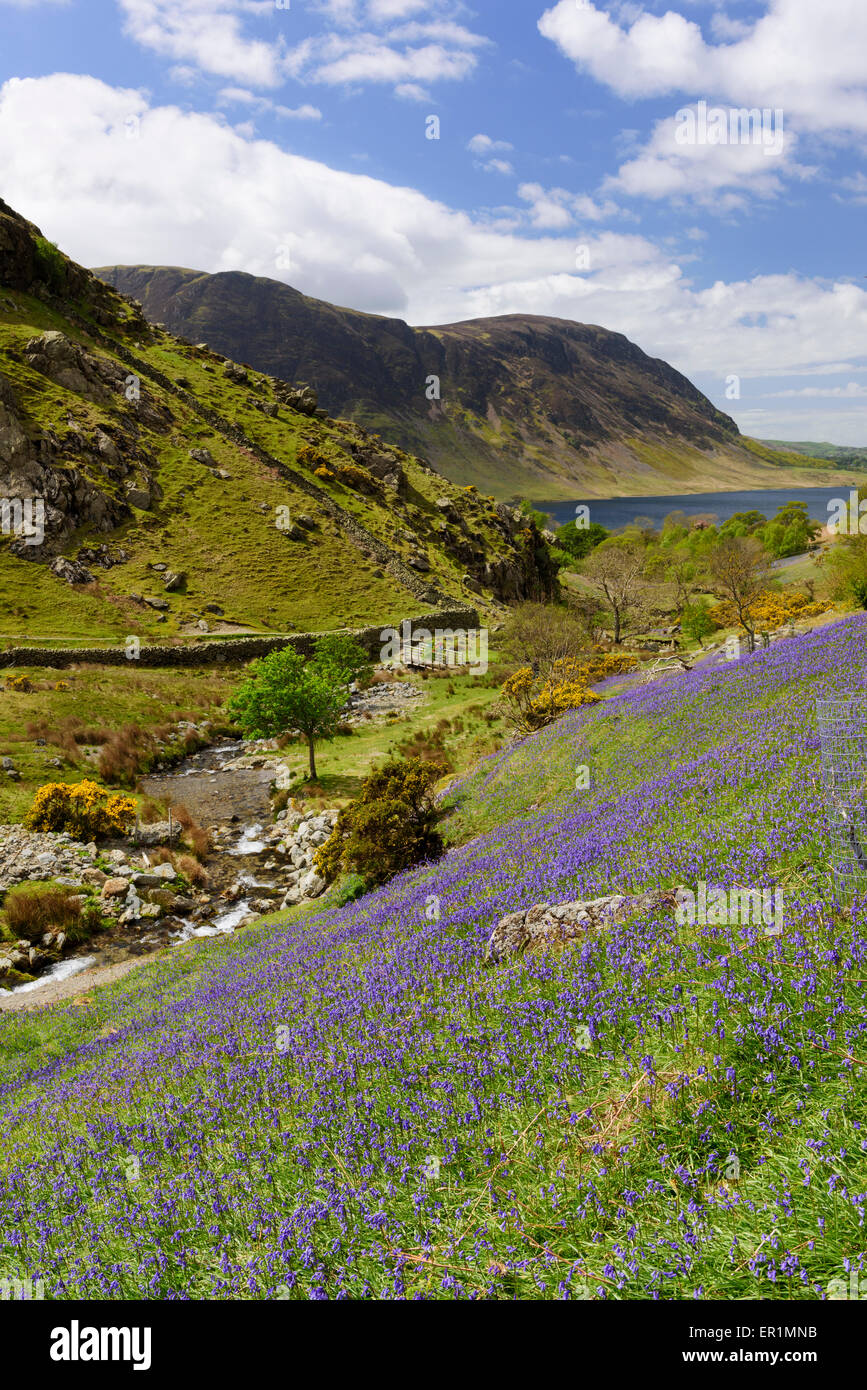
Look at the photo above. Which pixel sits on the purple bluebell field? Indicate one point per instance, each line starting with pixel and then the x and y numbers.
pixel 355 1105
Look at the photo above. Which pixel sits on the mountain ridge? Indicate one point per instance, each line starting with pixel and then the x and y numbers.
pixel 528 404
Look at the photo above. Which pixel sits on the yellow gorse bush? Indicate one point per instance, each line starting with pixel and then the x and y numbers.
pixel 770 610
pixel 84 809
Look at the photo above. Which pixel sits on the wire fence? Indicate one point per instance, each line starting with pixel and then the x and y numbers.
pixel 843 739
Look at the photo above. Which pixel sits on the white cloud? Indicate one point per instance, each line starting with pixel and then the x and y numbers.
pixel 190 190
pixel 805 58
pixel 411 91
pixel 206 33
pixel 666 168
pixel 498 166
pixel 851 389
pixel 369 58
pixel 394 9
pixel 229 96
pixel 212 36
pixel 483 144
pixel 830 426
pixel 553 208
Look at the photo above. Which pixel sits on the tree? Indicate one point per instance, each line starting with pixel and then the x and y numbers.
pixel 578 541
pixel 675 564
pixel 738 565
pixel 540 634
pixel 339 651
pixel 616 568
pixel 286 690
pixel 696 620
pixel 791 532
pixel 743 524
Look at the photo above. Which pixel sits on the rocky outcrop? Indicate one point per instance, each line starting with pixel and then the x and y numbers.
pixel 37 471
pixel 544 927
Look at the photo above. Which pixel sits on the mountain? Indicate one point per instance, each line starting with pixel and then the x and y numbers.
pixel 529 406
pixel 167 485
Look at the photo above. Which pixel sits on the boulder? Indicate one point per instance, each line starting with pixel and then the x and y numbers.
pixel 543 926
pixel 312 885
pixel 114 888
pixel 70 570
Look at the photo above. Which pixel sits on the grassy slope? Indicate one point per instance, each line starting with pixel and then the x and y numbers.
pixel 573 1164
pixel 94 698
pixel 222 533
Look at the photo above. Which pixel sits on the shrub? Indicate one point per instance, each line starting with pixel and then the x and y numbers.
pixel 696 620
pixel 31 909
pixel 192 870
pixel 21 684
pixel 354 476
pixel 351 887
pixel 125 754
pixel 390 827
pixel 50 263
pixel 83 809
pixel 531 702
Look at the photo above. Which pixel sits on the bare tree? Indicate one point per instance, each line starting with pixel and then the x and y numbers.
pixel 616 568
pixel 540 634
pixel 739 566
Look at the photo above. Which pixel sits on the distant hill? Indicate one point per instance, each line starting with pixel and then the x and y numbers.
pixel 841 455
pixel 177 490
pixel 529 405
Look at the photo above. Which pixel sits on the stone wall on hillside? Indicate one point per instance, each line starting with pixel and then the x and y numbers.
pixel 229 651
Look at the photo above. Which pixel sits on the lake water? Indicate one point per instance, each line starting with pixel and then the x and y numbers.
pixel 613 512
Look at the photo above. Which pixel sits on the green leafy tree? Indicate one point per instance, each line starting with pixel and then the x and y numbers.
pixel 791 531
pixel 578 541
pixel 342 653
pixel 285 691
pixel 696 620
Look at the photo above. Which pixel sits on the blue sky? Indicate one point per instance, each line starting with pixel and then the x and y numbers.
pixel 572 174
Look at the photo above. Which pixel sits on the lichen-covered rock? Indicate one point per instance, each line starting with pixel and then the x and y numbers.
pixel 546 927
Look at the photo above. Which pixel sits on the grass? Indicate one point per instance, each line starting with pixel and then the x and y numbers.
pixel 260 578
pixel 98 699
pixel 668 1110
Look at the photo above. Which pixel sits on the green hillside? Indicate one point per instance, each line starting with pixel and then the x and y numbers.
pixel 150 452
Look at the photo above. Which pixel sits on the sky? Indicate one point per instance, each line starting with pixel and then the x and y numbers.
pixel 589 159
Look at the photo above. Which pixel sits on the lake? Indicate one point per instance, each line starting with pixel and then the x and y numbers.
pixel 613 512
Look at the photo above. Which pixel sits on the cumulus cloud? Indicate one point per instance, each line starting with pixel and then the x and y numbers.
pixel 805 58
pixel 214 37
pixel 206 33
pixel 114 179
pixel 552 208
pixel 230 96
pixel 483 144
pixel 668 168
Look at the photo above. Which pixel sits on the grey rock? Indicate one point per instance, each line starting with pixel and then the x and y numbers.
pixel 543 926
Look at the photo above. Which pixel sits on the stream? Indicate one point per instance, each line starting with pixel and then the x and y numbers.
pixel 233 804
